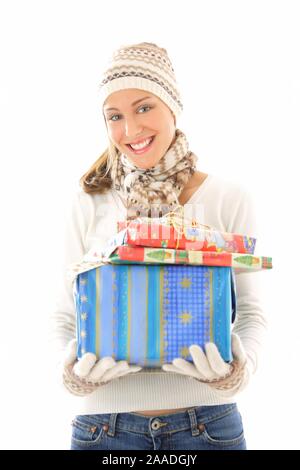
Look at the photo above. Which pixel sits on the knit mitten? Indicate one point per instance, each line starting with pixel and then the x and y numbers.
pixel 82 377
pixel 226 379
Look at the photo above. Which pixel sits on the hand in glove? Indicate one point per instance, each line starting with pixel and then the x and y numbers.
pixel 85 375
pixel 226 379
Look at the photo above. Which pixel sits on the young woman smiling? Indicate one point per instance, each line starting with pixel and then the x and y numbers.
pixel 147 161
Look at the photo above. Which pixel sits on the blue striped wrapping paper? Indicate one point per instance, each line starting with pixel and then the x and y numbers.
pixel 150 314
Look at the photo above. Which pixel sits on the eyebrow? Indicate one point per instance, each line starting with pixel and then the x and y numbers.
pixel 132 104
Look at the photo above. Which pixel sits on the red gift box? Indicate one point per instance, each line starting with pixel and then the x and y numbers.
pixel 189 238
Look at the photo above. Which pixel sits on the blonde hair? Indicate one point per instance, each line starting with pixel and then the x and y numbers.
pixel 98 179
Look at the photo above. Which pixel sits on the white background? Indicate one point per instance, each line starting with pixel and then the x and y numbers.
pixel 237 66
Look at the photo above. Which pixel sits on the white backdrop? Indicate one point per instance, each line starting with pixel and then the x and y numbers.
pixel 237 65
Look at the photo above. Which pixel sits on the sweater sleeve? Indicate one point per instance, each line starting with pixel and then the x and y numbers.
pixel 63 317
pixel 251 322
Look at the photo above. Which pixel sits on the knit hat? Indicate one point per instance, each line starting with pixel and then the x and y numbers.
pixel 144 66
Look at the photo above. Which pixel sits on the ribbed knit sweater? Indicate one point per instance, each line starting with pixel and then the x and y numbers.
pixel 226 206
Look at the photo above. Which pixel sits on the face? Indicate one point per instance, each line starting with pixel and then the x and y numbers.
pixel 138 115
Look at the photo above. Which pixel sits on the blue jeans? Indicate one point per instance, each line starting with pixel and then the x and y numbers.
pixel 203 428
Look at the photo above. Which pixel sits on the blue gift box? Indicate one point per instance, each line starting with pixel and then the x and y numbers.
pixel 150 314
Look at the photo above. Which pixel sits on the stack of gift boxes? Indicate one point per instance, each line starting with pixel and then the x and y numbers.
pixel 160 285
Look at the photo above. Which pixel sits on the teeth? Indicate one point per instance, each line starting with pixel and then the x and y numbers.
pixel 141 145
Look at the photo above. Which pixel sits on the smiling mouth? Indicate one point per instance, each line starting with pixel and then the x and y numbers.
pixel 139 150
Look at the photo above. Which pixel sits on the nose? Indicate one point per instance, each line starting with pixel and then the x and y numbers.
pixel 132 127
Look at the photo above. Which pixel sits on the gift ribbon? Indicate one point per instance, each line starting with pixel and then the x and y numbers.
pixel 175 219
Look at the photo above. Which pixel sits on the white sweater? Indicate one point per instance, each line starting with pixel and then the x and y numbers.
pixel 227 207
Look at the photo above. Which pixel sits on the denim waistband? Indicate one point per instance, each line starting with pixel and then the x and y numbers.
pixel 162 424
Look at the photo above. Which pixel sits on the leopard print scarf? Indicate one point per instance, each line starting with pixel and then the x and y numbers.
pixel 161 184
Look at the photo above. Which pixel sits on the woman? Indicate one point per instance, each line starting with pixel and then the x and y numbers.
pixel 183 405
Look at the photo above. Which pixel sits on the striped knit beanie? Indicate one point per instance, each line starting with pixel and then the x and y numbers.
pixel 144 66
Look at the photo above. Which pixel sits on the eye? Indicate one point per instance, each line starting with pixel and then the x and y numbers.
pixel 144 107
pixel 111 118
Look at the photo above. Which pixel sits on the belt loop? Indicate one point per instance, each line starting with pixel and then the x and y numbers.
pixel 193 419
pixel 112 424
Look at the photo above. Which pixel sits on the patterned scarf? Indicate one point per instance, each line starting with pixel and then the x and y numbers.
pixel 161 184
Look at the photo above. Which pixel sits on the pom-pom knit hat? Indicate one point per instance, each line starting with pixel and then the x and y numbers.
pixel 144 66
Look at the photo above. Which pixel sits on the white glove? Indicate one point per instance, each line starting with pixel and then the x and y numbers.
pixel 85 375
pixel 226 379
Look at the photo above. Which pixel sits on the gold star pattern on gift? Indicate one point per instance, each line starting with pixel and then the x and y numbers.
pixel 184 352
pixel 83 334
pixel 186 282
pixel 185 317
pixel 83 316
pixel 83 298
pixel 83 282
